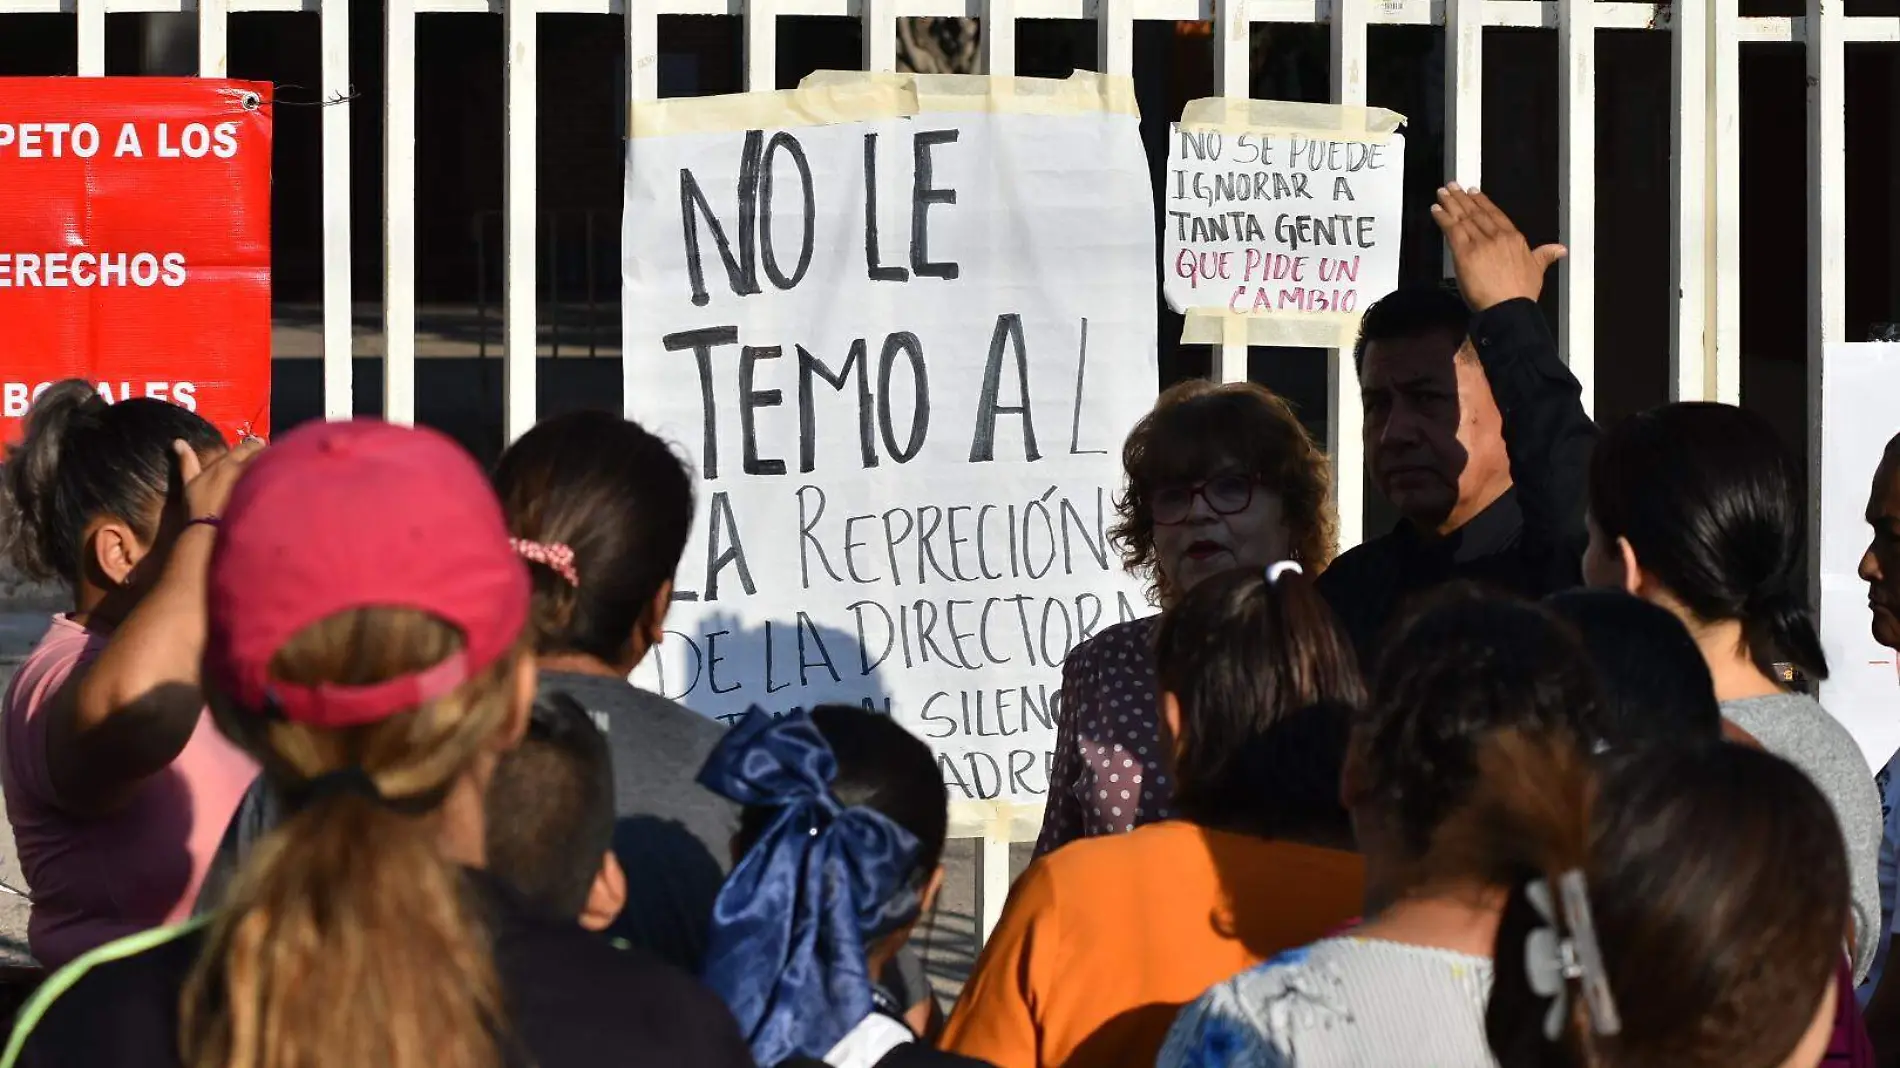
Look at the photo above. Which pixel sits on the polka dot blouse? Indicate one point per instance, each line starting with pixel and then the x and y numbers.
pixel 1110 772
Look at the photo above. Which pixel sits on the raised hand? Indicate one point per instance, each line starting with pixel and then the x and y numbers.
pixel 208 486
pixel 1493 261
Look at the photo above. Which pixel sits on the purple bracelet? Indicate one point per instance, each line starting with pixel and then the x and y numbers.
pixel 211 521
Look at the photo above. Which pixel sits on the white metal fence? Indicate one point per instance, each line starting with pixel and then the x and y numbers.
pixel 1705 342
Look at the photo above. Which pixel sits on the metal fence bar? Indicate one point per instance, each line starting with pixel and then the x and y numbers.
pixel 333 85
pixel 1345 417
pixel 1723 264
pixel 642 26
pixel 519 24
pixel 1523 14
pixel 1827 230
pixel 643 51
pixel 1233 56
pixel 1870 29
pixel 996 48
pixel 1464 96
pixel 1115 36
pixel 997 52
pixel 760 44
pixel 1233 77
pixel 1827 181
pixel 879 36
pixel 1772 29
pixel 92 37
pixel 1576 197
pixel 399 211
pixel 214 53
pixel 1691 202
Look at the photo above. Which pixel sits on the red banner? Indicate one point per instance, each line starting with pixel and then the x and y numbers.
pixel 135 243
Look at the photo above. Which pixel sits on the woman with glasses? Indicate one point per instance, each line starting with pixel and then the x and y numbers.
pixel 1219 476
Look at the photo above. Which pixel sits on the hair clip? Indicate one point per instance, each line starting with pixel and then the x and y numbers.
pixel 1283 567
pixel 1552 961
pixel 557 557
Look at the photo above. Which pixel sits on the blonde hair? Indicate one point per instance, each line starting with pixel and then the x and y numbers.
pixel 348 937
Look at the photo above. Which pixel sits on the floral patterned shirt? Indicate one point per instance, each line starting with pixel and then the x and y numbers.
pixel 1341 1003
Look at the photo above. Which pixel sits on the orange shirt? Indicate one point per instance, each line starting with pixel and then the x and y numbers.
pixel 1105 939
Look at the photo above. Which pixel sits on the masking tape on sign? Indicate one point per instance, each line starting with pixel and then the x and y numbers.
pixel 1295 329
pixel 1083 92
pixel 828 97
pixel 1320 122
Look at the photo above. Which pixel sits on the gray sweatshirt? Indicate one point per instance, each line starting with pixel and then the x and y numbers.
pixel 1797 729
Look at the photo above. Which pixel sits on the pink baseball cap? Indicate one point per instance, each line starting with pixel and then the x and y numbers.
pixel 337 516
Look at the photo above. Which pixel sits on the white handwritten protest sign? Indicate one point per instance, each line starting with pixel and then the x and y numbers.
pixel 900 325
pixel 1863 684
pixel 1286 213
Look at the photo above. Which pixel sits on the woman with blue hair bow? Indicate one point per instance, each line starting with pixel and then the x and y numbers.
pixel 837 858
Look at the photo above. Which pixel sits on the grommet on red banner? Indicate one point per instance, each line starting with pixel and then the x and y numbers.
pixel 136 248
pixel 248 99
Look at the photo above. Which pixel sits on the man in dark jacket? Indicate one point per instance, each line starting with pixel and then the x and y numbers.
pixel 1474 429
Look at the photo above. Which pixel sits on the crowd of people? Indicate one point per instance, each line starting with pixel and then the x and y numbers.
pixel 334 760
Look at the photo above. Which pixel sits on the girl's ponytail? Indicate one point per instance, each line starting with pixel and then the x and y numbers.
pixel 29 528
pixel 1779 625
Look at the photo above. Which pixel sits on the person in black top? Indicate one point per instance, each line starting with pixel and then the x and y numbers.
pixel 365 622
pixel 572 1000
pixel 1474 429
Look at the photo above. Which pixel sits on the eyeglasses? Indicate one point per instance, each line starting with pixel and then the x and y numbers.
pixel 1224 494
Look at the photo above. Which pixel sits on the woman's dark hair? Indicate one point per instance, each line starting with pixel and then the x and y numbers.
pixel 79 459
pixel 1717 886
pixel 1706 495
pixel 1268 686
pixel 616 495
pixel 1195 428
pixel 1463 665
pixel 882 767
pixel 1656 684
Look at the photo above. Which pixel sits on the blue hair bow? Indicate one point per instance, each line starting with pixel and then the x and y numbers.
pixel 787 945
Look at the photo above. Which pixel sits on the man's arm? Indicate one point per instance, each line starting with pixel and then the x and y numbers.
pixel 1547 434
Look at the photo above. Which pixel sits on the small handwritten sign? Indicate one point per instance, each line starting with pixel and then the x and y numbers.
pixel 1270 221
